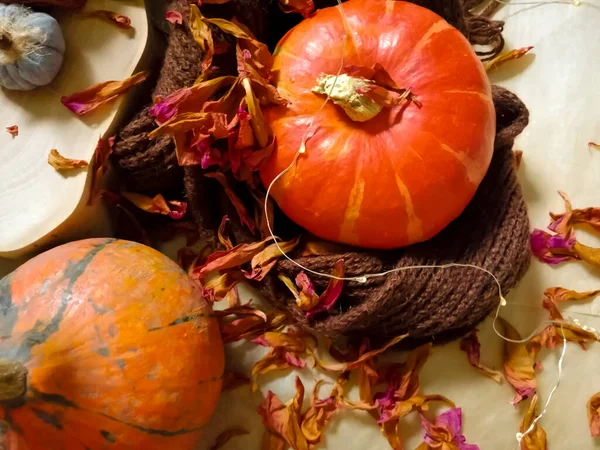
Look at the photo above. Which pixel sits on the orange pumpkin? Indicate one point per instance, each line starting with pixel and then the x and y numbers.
pixel 108 344
pixel 403 175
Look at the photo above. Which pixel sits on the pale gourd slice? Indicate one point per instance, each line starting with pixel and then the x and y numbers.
pixel 40 207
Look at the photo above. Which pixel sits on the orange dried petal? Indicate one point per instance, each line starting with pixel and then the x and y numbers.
pixel 470 345
pixel 593 413
pixel 536 439
pixel 519 363
pixel 504 57
pixel 304 7
pixel 555 295
pixel 264 261
pixel 203 36
pixel 216 289
pixel 227 259
pixel 13 130
pixel 111 17
pixel 59 162
pixel 157 204
pixel 588 254
pixel 100 165
pixel 92 98
pixel 223 235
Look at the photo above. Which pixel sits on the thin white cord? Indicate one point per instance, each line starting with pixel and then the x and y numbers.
pixel 521 436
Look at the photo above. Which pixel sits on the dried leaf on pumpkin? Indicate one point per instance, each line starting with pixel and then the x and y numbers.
pixel 89 99
pixel 445 433
pixel 519 363
pixel 304 7
pixel 157 204
pixel 59 162
pixel 174 17
pixel 226 436
pixel 112 17
pixel 536 438
pixel 504 57
pixel 13 130
pixel 471 346
pixel 555 295
pixel 245 217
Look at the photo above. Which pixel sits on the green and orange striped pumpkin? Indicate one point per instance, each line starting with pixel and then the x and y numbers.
pixel 106 344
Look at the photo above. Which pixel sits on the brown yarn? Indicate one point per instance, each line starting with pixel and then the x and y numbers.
pixel 492 232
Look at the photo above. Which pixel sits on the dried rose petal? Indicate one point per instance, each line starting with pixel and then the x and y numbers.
pixel 111 17
pixel 59 162
pixel 470 345
pixel 594 145
pixel 13 130
pixel 536 438
pixel 157 204
pixel 593 413
pixel 304 7
pixel 519 364
pixel 174 17
pixel 89 99
pixel 245 218
pixel 552 249
pixel 100 165
pixel 504 57
pixel 446 432
pixel 328 299
pixel 555 295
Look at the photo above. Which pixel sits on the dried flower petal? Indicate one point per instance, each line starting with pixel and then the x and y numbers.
pixel 519 363
pixel 259 125
pixel 111 17
pixel 226 436
pixel 536 438
pixel 594 145
pixel 245 217
pixel 59 162
pixel 319 414
pixel 588 254
pixel 284 420
pixel 100 165
pixel 470 345
pixel 504 57
pixel 328 299
pixel 555 295
pixel 264 261
pixel 446 432
pixel 517 158
pixel 215 290
pixel 593 413
pixel 342 367
pixel 174 17
pixel 89 99
pixel 304 7
pixel 227 259
pixel 157 205
pixel 553 335
pixel 188 99
pixel 203 36
pixel 13 130
pixel 223 235
pixel 307 298
pixel 551 249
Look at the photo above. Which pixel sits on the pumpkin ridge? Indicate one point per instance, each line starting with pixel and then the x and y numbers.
pixel 72 273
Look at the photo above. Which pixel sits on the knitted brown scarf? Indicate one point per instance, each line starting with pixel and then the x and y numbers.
pixel 426 303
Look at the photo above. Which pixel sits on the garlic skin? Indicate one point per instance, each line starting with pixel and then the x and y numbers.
pixel 32 48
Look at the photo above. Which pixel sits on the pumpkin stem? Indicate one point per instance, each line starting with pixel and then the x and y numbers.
pixel 5 41
pixel 13 381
